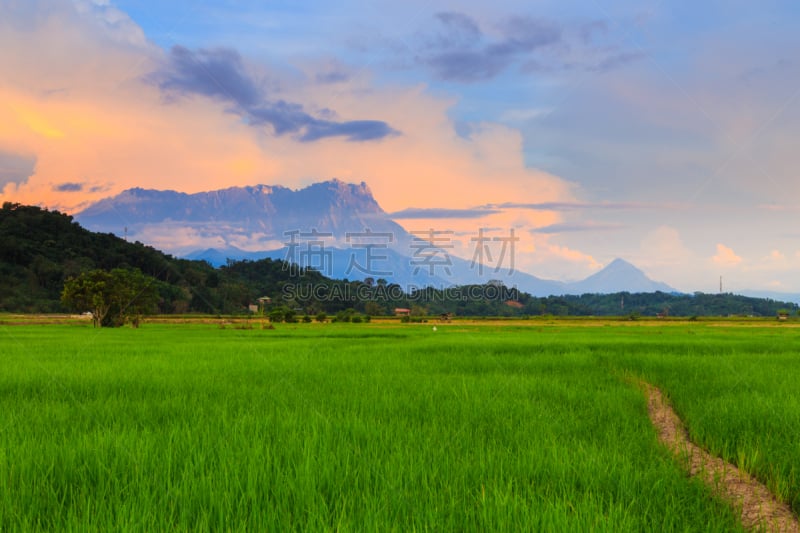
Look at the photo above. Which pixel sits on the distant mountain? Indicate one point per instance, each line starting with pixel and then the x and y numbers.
pixel 393 266
pixel 330 221
pixel 258 217
pixel 618 276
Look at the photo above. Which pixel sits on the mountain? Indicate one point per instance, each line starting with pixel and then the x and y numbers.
pixel 328 219
pixel 398 268
pixel 617 276
pixel 332 226
pixel 260 217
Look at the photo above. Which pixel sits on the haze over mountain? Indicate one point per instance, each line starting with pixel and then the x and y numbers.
pixel 332 226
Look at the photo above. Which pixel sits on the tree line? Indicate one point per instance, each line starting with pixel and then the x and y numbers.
pixel 49 263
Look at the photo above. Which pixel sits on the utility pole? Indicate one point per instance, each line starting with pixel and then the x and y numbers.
pixel 720 284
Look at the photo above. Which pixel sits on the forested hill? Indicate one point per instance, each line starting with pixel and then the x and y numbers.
pixel 40 250
pixel 657 303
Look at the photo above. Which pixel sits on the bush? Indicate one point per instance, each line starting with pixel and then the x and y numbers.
pixel 345 316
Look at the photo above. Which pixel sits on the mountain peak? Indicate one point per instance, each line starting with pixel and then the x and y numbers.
pixel 619 276
pixel 338 186
pixel 251 216
pixel 620 264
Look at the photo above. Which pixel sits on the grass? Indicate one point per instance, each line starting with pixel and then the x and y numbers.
pixel 738 390
pixel 380 427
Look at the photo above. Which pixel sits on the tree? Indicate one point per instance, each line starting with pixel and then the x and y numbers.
pixel 373 308
pixel 276 315
pixel 113 298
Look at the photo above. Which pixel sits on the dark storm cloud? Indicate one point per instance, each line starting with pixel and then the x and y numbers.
pixel 220 74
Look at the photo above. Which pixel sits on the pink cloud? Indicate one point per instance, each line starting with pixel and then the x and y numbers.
pixel 726 256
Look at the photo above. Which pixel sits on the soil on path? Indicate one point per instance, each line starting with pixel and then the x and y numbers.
pixel 758 507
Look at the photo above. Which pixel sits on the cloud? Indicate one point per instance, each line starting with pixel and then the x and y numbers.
pixel 15 168
pixel 664 247
pixel 459 50
pixel 577 227
pixel 217 73
pixel 204 137
pixel 590 31
pixel 554 261
pixel 436 213
pixel 68 187
pixel 616 60
pixel 572 206
pixel 354 130
pixel 461 53
pixel 725 256
pixel 460 29
pixel 332 76
pixel 220 74
pixel 524 34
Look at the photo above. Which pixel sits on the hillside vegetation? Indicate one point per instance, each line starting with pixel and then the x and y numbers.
pixel 40 250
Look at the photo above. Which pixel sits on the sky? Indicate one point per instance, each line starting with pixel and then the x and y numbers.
pixel 661 132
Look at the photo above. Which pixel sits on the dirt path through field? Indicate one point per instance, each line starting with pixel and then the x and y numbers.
pixel 759 508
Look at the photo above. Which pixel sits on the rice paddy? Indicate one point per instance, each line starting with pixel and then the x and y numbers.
pixel 386 426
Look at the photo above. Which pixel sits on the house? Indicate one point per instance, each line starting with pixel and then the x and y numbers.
pixel 401 311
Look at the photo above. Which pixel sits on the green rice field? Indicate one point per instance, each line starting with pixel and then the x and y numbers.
pixel 518 426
